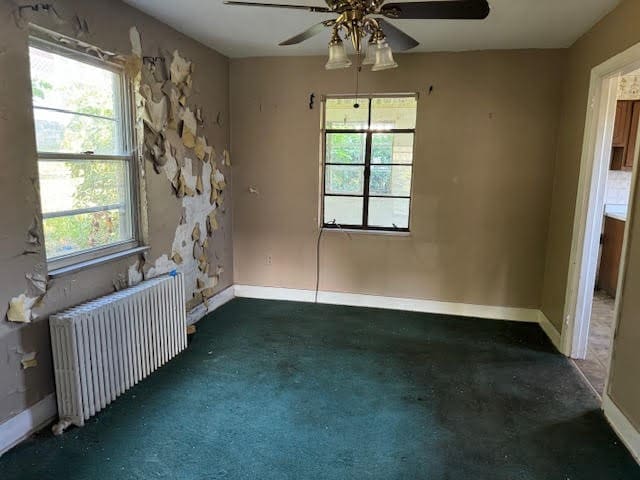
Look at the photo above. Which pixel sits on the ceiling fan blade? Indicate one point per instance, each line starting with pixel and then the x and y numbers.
pixel 308 33
pixel 397 39
pixel 278 5
pixel 439 9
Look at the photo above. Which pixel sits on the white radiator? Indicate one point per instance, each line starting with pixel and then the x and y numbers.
pixel 103 347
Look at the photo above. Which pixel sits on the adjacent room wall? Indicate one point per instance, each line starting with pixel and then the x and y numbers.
pixel 109 22
pixel 485 146
pixel 612 35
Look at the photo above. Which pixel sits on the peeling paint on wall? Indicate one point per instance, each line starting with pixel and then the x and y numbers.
pixel 135 273
pixel 171 142
pixel 29 360
pixel 37 282
pixel 34 244
pixel 20 309
pixel 180 70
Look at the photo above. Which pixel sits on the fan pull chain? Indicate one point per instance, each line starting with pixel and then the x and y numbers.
pixel 358 69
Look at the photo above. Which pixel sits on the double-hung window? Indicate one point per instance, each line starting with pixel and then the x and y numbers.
pixel 84 139
pixel 368 162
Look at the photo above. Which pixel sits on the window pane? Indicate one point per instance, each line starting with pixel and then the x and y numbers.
pixel 390 113
pixel 71 185
pixel 389 212
pixel 344 210
pixel 64 83
pixel 346 147
pixel 340 114
pixel 64 132
pixel 392 148
pixel 75 105
pixel 77 233
pixel 342 179
pixel 390 180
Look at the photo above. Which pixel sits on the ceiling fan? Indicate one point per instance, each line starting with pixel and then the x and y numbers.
pixel 357 19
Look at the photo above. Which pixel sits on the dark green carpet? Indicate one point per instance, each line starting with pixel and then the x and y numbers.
pixel 279 390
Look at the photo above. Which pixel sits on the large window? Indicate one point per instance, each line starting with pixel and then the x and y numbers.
pixel 368 162
pixel 83 135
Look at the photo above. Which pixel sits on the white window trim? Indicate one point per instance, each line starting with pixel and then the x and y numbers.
pixel 42 39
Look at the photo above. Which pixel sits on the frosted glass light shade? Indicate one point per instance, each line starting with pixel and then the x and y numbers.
pixel 370 55
pixel 337 57
pixel 384 57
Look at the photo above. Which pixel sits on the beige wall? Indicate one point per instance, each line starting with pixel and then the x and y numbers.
pixel 615 33
pixel 485 146
pixel 109 22
pixel 624 387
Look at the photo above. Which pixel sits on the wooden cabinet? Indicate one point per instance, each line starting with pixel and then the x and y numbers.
pixel 610 256
pixel 623 123
pixel 633 136
pixel 625 134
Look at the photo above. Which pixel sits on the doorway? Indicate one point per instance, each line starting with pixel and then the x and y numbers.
pixel 607 179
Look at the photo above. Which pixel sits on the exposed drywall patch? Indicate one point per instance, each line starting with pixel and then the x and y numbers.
pixel 133 63
pixel 156 114
pixel 136 43
pixel 212 223
pixel 180 69
pixel 29 360
pixel 218 184
pixel 161 266
pixel 20 309
pixel 204 151
pixel 195 234
pixel 135 273
pixel 189 128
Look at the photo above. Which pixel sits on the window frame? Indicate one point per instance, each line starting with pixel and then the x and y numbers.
pixel 125 120
pixel 369 132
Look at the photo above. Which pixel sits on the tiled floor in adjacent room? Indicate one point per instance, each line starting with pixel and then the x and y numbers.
pixel 596 365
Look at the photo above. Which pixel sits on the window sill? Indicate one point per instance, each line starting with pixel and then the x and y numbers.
pixel 358 231
pixel 76 267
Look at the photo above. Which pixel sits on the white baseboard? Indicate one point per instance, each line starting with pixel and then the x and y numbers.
pixel 274 293
pixel 27 422
pixel 393 303
pixel 622 426
pixel 551 331
pixel 219 299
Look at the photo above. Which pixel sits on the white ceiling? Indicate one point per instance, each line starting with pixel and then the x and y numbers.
pixel 252 31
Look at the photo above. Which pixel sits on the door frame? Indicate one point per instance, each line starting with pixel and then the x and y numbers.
pixel 588 218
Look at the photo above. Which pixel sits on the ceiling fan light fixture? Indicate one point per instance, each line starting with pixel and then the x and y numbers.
pixel 384 57
pixel 337 54
pixel 370 54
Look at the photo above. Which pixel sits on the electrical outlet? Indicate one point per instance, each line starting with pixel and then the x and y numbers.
pixel 269 260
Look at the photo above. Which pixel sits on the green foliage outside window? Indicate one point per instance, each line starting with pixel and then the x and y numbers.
pixel 348 148
pixel 94 182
